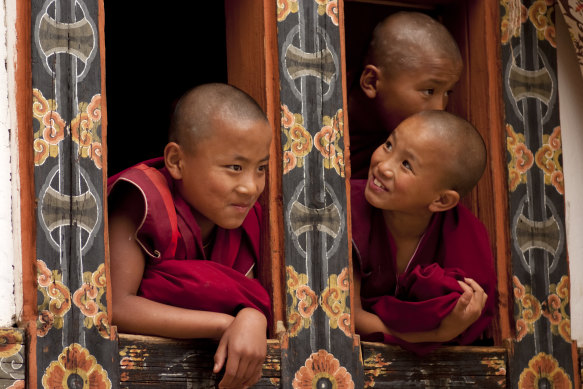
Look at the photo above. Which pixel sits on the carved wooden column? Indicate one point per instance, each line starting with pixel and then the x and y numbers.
pixel 319 346
pixel 75 344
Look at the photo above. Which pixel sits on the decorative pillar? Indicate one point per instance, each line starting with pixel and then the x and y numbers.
pixel 543 354
pixel 75 345
pixel 319 349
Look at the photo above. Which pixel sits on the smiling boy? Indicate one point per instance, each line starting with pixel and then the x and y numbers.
pixel 411 65
pixel 184 232
pixel 424 268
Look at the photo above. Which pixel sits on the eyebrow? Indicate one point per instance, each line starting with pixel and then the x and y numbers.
pixel 408 154
pixel 244 159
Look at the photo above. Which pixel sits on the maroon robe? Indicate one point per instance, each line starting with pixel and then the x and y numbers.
pixel 177 271
pixel 455 245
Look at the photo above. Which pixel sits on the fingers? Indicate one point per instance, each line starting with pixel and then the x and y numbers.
pixel 220 357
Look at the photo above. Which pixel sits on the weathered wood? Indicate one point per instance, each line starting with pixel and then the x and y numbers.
pixel 448 367
pixel 148 361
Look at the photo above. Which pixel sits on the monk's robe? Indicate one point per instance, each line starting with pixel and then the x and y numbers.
pixel 455 245
pixel 177 271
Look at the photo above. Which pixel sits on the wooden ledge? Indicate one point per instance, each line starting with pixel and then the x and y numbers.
pixel 152 362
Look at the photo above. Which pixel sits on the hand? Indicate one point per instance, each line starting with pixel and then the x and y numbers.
pixel 243 346
pixel 466 311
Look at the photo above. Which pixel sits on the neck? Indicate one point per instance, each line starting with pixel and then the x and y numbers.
pixel 407 225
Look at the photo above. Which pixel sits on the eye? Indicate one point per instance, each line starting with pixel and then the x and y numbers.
pixel 449 93
pixel 262 168
pixel 388 145
pixel 236 168
pixel 429 92
pixel 407 165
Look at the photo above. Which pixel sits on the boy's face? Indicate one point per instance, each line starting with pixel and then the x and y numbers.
pixel 420 88
pixel 406 173
pixel 225 173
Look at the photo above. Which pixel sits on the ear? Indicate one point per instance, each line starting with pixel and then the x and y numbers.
pixel 173 159
pixel 369 79
pixel 446 200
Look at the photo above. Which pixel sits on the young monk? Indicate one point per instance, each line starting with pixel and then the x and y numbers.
pixel 411 65
pixel 184 233
pixel 423 266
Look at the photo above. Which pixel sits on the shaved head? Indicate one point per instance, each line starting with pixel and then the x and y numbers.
pixel 463 148
pixel 405 39
pixel 196 110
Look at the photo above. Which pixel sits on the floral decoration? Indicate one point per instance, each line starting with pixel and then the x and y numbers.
pixel 333 301
pixel 330 8
pixel 522 158
pixel 370 374
pixel 548 160
pixel 327 141
pixel 541 16
pixel 18 384
pixel 56 299
pixel 88 298
pixel 285 7
pixel 304 301
pixel 75 367
pixel 52 129
pixel 544 368
pixel 529 309
pixel 322 369
pixel 299 141
pixel 10 342
pixel 515 14
pixel 554 309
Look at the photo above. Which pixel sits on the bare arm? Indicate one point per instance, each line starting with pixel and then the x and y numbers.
pixel 135 314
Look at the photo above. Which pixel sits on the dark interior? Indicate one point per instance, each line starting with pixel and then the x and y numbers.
pixel 153 55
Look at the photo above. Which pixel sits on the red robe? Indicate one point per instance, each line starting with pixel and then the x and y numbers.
pixel 455 245
pixel 177 271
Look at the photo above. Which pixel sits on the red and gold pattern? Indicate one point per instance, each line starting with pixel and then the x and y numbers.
pixel 541 16
pixel 88 299
pixel 322 366
pixel 330 8
pixel 544 368
pixel 499 366
pixel 10 342
pixel 379 364
pixel 522 158
pixel 529 309
pixel 75 363
pixel 285 7
pixel 84 129
pixel 515 14
pixel 547 158
pixel 57 299
pixel 299 141
pixel 333 301
pixel 327 142
pixel 304 302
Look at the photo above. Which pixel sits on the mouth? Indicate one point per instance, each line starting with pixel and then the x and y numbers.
pixel 242 207
pixel 378 184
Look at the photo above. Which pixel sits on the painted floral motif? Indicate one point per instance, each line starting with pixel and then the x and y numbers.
pixel 10 342
pixel 52 127
pixel 304 302
pixel 88 298
pixel 498 365
pixel 515 14
pixel 322 370
pixel 56 299
pixel 327 142
pixel 333 301
pixel 84 129
pixel 132 358
pixel 522 158
pixel 330 8
pixel 18 384
pixel 299 140
pixel 379 364
pixel 541 16
pixel 544 371
pixel 529 309
pixel 548 160
pixel 75 368
pixel 285 7
pixel 573 12
pixel 554 309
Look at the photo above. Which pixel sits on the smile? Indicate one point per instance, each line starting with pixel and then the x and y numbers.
pixel 378 183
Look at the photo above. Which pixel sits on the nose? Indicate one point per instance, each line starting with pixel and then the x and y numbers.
pixel 251 185
pixel 386 168
pixel 439 102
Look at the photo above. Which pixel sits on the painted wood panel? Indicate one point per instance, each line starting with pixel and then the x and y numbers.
pixel 75 344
